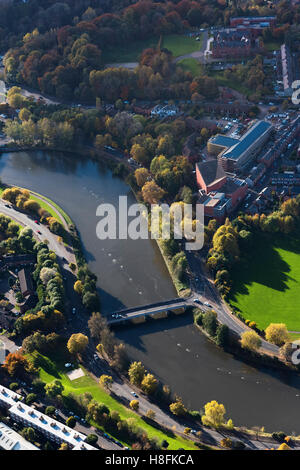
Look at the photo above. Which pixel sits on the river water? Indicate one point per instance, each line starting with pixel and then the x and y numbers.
pixel 133 273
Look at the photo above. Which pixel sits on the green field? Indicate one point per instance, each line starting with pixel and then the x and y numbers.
pixel 177 44
pixel 190 65
pixel 50 371
pixel 267 288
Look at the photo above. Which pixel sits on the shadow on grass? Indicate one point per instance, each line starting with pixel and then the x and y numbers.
pixel 265 266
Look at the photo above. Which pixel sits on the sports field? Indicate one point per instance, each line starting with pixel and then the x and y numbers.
pixel 267 289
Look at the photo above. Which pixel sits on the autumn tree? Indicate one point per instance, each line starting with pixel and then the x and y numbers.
pixel 142 175
pixel 106 381
pixel 214 414
pixel 178 408
pixel 134 404
pixel 136 373
pixel 152 193
pixel 277 333
pixel 149 384
pixel 250 340
pixel 77 343
pixel 16 364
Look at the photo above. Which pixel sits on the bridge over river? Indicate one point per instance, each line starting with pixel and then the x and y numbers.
pixel 156 310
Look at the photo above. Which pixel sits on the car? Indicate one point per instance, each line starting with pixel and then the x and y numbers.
pixel 68 364
pixel 36 221
pixel 73 310
pixel 207 304
pixel 134 394
pixel 197 301
pixel 40 233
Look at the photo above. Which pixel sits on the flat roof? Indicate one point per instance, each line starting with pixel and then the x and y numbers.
pixel 223 140
pixel 248 139
pixel 8 397
pixel 49 425
pixel 11 440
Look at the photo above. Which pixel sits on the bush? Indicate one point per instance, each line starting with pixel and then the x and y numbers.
pixel 31 397
pixel 71 422
pixel 92 439
pixel 14 386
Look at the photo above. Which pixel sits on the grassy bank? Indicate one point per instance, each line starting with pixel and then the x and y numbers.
pixel 50 371
pixel 190 65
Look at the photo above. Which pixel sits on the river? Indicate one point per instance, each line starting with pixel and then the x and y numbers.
pixel 133 273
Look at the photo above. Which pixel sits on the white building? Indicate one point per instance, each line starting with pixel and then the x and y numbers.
pixel 11 440
pixel 8 398
pixel 51 428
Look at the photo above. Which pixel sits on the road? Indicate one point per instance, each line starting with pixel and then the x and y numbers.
pixel 124 392
pixel 204 289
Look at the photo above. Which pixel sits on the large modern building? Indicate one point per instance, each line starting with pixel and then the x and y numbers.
pixel 219 193
pixel 235 154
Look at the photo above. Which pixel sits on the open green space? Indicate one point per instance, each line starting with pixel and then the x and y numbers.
pixel 177 44
pixel 230 82
pixel 50 370
pixel 266 289
pixel 190 65
pixel 272 45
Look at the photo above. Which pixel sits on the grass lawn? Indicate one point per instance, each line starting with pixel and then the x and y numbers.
pixel 230 83
pixel 177 44
pixel 190 65
pixel 50 371
pixel 267 289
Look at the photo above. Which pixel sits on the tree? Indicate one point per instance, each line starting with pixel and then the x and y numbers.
pixel 106 381
pixel 214 414
pixel 71 422
pixel 284 446
pixel 77 343
pixel 78 287
pixel 149 384
pixel 142 175
pixel 209 322
pixel 31 397
pixel 178 408
pixel 134 404
pixel 136 373
pixel 16 364
pixel 28 434
pixel 54 389
pixel 250 340
pixel 150 414
pixel 92 439
pixel 64 446
pixel 96 324
pixel 277 333
pixel 152 193
pixel 222 335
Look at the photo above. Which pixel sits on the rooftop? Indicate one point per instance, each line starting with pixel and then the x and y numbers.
pixel 223 140
pixel 254 133
pixel 11 440
pixel 8 397
pixel 48 425
pixel 211 171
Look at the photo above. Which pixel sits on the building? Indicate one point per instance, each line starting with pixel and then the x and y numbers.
pixel 12 261
pixel 25 280
pixel 287 69
pixel 236 154
pixel 219 193
pixel 8 398
pixel 255 24
pixel 234 43
pixel 11 440
pixel 51 428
